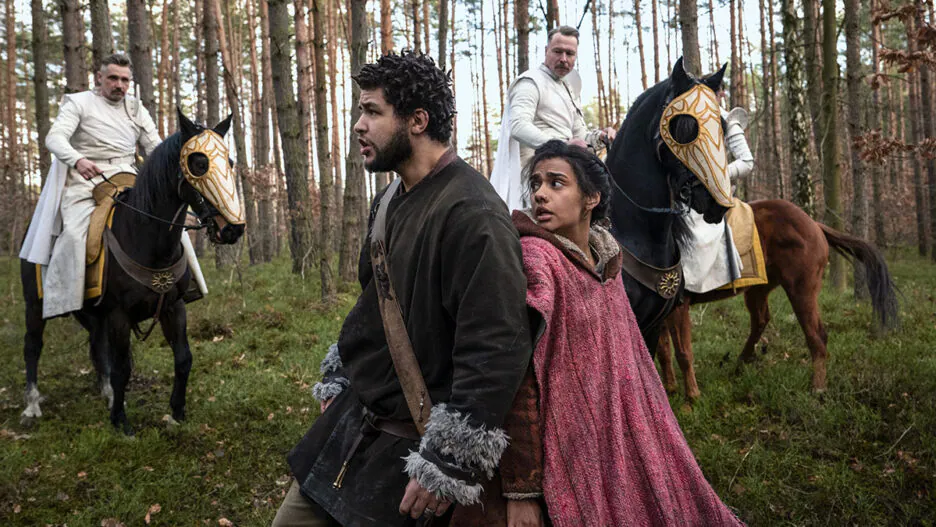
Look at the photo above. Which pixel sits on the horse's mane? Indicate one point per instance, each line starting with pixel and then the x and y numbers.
pixel 633 153
pixel 158 176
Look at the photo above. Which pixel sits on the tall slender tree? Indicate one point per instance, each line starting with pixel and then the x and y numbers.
pixel 522 23
pixel 304 71
pixel 640 46
pixel 102 40
pixel 876 124
pixel 853 74
pixel 813 62
pixel 296 158
pixel 831 164
pixel 926 101
pixel 40 42
pixel 689 26
pixel 443 30
pixel 656 41
pixel 803 194
pixel 76 69
pixel 326 185
pixel 354 198
pixel 141 51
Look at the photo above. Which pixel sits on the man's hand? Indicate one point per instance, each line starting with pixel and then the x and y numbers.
pixel 87 169
pixel 524 513
pixel 607 135
pixel 577 142
pixel 418 501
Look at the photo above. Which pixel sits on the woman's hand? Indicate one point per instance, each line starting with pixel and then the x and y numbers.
pixel 325 404
pixel 524 513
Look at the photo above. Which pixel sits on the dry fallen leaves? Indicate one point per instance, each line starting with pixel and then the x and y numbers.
pixel 154 508
pixel 224 522
pixel 112 522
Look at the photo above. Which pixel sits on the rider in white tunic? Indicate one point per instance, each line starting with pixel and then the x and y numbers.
pixel 543 103
pixel 94 136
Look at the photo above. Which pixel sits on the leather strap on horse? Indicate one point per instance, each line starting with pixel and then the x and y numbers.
pixel 401 349
pixel 159 281
pixel 665 282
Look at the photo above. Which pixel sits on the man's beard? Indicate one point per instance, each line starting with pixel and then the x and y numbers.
pixel 391 156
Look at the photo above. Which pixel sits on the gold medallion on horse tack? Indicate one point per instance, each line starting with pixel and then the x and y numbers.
pixel 162 282
pixel 669 284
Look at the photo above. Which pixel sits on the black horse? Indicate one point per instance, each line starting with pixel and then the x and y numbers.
pixel 654 191
pixel 147 228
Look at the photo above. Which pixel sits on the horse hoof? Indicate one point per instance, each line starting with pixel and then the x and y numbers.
pixel 671 388
pixel 170 421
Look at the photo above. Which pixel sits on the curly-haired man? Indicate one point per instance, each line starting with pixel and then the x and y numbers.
pixel 454 261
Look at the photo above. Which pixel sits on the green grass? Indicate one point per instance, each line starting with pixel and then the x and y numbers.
pixel 861 454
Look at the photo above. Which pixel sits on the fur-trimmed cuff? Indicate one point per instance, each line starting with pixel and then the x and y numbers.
pixel 475 448
pixel 323 391
pixel 332 361
pixel 443 486
pixel 517 496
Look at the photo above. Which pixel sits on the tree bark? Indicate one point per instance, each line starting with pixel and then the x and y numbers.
pixel 656 41
pixel 499 55
pixel 354 197
pixel 76 70
pixel 331 43
pixel 326 185
pixel 417 26
pixel 386 28
pixel 443 33
pixel 689 25
pixel 256 231
pixel 141 52
pixel 831 164
pixel 163 73
pixel 926 99
pixel 775 118
pixel 876 125
pixel 304 71
pixel 737 72
pixel 803 194
pixel 269 175
pixel 522 23
pixel 294 148
pixel 853 74
pixel 102 40
pixel 812 60
pixel 714 35
pixel 488 154
pixel 40 41
pixel 640 46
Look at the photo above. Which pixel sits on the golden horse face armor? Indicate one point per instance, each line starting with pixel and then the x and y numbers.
pixel 218 184
pixel 704 156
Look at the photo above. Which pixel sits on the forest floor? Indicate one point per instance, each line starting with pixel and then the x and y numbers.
pixel 863 453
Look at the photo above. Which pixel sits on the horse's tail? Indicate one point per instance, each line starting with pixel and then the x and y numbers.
pixel 880 283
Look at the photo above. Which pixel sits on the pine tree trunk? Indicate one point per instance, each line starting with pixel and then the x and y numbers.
pixel 736 71
pixel 505 25
pixel 332 36
pixel 326 185
pixel 640 46
pixel 296 156
pixel 163 74
pixel 764 158
pixel 831 164
pixel 425 25
pixel 256 231
pixel 853 76
pixel 354 198
pixel 743 100
pixel 40 42
pixel 876 124
pixel 812 60
pixel 12 149
pixel 76 71
pixel 199 9
pixel 689 24
pixel 714 35
pixel 926 100
pixel 552 14
pixel 304 72
pixel 452 60
pixel 141 52
pixel 803 194
pixel 417 27
pixel 443 33
pixel 488 154
pixel 212 95
pixel 499 55
pixel 522 23
pixel 266 213
pixel 603 108
pixel 176 78
pixel 386 28
pixel 102 40
pixel 775 117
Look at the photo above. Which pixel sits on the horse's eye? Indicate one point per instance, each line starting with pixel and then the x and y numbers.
pixel 198 164
pixel 684 129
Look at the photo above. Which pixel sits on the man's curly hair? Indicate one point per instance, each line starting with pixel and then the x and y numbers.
pixel 410 81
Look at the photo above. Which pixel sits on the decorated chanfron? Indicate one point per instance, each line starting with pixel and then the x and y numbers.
pixel 704 156
pixel 217 184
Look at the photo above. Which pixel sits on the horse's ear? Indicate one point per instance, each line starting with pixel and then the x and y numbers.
pixel 714 81
pixel 224 126
pixel 188 128
pixel 680 78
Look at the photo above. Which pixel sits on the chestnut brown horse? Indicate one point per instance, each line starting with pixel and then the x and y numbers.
pixel 796 250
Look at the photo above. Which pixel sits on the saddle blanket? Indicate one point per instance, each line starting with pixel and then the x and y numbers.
pixel 746 239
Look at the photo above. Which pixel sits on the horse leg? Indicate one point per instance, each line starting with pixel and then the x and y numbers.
pixel 804 297
pixel 755 299
pixel 118 331
pixel 32 348
pixel 100 356
pixel 173 323
pixel 666 359
pixel 680 326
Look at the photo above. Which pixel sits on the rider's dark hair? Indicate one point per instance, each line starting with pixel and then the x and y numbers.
pixel 591 173
pixel 117 59
pixel 410 81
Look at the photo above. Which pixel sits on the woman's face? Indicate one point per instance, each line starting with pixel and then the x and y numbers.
pixel 559 205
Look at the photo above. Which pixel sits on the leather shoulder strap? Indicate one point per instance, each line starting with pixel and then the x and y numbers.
pixel 401 349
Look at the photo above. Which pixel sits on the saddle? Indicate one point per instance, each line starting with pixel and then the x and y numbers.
pixel 102 216
pixel 746 239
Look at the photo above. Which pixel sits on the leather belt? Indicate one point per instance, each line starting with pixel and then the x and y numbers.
pixel 127 159
pixel 405 429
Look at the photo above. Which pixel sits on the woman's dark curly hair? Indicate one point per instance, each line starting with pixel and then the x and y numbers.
pixel 590 172
pixel 410 81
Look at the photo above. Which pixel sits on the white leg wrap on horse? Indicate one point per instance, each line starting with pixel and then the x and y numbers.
pixel 193 264
pixel 33 398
